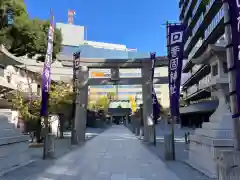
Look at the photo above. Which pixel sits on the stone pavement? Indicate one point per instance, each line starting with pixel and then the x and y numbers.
pixel 179 167
pixel 115 154
pixel 16 155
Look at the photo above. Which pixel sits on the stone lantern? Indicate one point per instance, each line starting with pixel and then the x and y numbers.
pixel 217 134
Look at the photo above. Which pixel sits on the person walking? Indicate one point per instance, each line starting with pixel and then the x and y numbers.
pixel 141 121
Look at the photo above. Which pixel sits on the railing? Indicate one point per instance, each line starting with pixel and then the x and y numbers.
pixel 209 5
pixel 199 22
pixel 205 81
pixel 187 42
pixel 184 95
pixel 196 68
pixel 187 8
pixel 182 6
pixel 196 8
pixel 207 32
pixel 195 49
pixel 189 21
pixel 192 90
pixel 214 23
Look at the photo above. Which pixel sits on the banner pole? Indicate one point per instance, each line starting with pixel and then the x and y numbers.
pixel 45 143
pixel 172 117
pixel 46 83
pixel 231 75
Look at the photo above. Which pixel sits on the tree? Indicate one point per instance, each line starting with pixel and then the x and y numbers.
pixel 91 105
pixel 133 103
pixel 102 103
pixel 60 102
pixel 26 36
pixel 60 99
pixel 111 95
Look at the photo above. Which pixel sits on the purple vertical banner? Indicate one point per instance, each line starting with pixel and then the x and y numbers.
pixel 155 103
pixel 46 74
pixel 234 12
pixel 175 54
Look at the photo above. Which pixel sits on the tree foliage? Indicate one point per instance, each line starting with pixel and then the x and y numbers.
pixel 102 103
pixel 133 104
pixel 60 102
pixel 26 36
pixel 111 95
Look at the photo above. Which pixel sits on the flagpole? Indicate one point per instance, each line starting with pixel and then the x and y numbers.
pixel 172 117
pixel 155 104
pixel 154 124
pixel 46 82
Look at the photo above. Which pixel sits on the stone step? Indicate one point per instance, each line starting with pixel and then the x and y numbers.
pixel 205 149
pixel 201 163
pixel 211 141
pixel 9 132
pixel 14 155
pixel 13 139
pixel 215 133
pixel 224 124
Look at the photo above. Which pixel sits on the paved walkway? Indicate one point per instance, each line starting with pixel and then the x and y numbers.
pixel 16 155
pixel 115 154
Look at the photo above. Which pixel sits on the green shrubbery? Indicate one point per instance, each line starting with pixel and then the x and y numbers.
pixel 25 36
pixel 60 102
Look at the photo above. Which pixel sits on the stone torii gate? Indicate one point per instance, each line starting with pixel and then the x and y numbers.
pixel 115 64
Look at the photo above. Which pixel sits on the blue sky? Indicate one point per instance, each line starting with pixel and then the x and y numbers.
pixel 135 23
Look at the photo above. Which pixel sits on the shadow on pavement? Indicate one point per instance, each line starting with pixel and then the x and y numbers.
pixel 179 166
pixel 63 148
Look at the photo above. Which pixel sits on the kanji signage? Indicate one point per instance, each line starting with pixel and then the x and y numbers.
pixel 46 75
pixel 155 103
pixel 175 55
pixel 234 12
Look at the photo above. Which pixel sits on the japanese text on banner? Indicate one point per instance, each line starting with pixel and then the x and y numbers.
pixel 234 12
pixel 46 75
pixel 175 54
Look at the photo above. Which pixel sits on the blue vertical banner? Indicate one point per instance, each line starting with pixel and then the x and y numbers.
pixel 234 12
pixel 175 39
pixel 155 103
pixel 46 74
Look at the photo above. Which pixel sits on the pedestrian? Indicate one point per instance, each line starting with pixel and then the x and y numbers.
pixel 188 135
pixel 142 121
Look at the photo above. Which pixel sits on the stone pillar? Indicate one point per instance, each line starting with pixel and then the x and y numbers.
pixel 147 102
pixel 81 105
pixel 215 135
pixel 228 164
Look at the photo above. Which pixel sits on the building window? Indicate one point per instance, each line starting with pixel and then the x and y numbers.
pixel 215 70
pixel 225 68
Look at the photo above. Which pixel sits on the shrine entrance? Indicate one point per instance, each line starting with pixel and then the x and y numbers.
pixel 84 81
